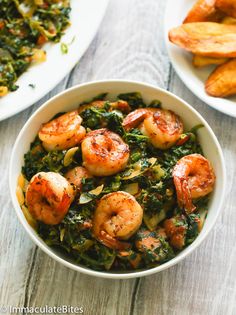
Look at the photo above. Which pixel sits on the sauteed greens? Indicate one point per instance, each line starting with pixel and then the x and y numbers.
pixel 148 177
pixel 24 27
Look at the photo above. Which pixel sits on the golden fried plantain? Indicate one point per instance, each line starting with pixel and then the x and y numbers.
pixel 227 6
pixel 201 61
pixel 222 81
pixel 206 39
pixel 228 20
pixel 204 11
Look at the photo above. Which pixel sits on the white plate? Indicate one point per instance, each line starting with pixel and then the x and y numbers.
pixel 182 61
pixel 85 18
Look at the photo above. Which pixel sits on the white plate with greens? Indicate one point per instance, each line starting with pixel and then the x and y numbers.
pixel 38 80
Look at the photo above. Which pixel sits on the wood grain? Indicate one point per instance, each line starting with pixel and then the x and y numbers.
pixel 129 45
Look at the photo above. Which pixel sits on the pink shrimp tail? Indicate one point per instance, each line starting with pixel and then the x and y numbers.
pixel 184 195
pixel 111 242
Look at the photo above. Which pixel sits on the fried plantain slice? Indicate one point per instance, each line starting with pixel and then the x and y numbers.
pixel 222 81
pixel 228 20
pixel 227 6
pixel 201 61
pixel 206 39
pixel 204 11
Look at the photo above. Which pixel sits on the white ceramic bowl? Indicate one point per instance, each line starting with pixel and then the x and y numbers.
pixel 69 100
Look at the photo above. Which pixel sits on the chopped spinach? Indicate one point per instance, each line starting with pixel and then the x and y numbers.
pixel 24 27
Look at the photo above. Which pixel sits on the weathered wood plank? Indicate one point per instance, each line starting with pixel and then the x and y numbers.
pixel 129 45
pixel 54 284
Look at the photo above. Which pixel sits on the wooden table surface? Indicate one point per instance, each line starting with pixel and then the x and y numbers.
pixel 129 44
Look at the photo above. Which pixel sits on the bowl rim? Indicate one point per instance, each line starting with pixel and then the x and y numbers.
pixel 102 274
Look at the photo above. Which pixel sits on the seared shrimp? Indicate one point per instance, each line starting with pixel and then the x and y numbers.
pixel 135 118
pixel 117 217
pixel 63 132
pixel 193 178
pixel 176 229
pixel 147 241
pixel 162 127
pixel 76 175
pixel 104 152
pixel 151 244
pixel 48 197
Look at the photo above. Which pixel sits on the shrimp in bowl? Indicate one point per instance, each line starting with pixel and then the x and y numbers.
pixel 104 152
pixel 162 127
pixel 193 178
pixel 48 197
pixel 119 198
pixel 117 217
pixel 76 175
pixel 63 132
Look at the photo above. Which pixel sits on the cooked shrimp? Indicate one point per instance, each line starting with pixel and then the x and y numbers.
pixel 162 127
pixel 135 118
pixel 193 178
pixel 48 197
pixel 150 244
pixel 176 229
pixel 104 152
pixel 76 175
pixel 147 241
pixel 117 217
pixel 120 105
pixel 63 132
